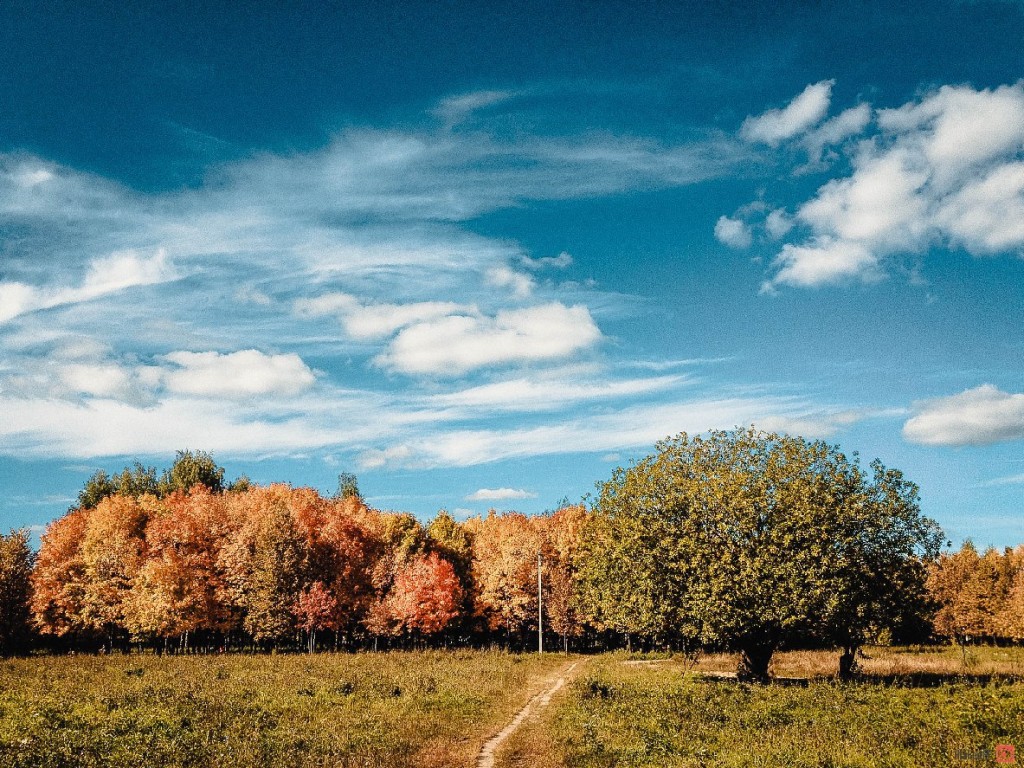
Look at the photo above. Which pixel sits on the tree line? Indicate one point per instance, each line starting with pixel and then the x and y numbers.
pixel 741 540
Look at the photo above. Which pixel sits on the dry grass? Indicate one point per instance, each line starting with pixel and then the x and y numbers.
pixel 884 661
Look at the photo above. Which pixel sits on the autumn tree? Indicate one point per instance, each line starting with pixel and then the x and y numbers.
pixel 16 561
pixel 113 553
pixel 264 562
pixel 58 579
pixel 1010 618
pixel 449 539
pixel 562 532
pixel 315 609
pixel 180 589
pixel 972 593
pixel 425 597
pixel 398 538
pixel 505 551
pixel 760 541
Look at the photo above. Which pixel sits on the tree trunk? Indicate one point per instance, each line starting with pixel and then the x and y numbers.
pixel 754 661
pixel 848 662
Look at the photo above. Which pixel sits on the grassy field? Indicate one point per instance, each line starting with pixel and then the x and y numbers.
pixel 427 709
pixel 915 707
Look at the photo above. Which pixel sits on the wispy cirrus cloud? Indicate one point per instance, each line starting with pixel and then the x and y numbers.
pixel 500 494
pixel 631 427
pixel 104 275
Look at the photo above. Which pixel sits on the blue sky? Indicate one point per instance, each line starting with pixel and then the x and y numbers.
pixel 481 255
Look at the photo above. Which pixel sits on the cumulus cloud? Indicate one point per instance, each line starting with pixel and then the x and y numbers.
pixel 804 112
pixel 978 416
pixel 733 232
pixel 246 373
pixel 504 276
pixel 460 343
pixel 847 123
pixel 368 322
pixel 821 262
pixel 499 494
pixel 778 223
pixel 98 380
pixel 946 170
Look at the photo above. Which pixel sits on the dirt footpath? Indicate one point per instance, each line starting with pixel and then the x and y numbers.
pixel 539 701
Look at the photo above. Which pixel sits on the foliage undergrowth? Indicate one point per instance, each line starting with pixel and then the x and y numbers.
pixel 375 710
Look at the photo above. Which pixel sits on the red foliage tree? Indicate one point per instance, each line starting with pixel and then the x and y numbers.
pixel 426 595
pixel 315 609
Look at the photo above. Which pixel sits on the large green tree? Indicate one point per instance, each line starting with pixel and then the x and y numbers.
pixel 755 541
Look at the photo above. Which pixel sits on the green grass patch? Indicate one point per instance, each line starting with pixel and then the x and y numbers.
pixel 626 715
pixel 379 710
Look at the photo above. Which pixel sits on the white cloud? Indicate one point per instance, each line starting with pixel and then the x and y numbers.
pixel 370 322
pixel 98 380
pixel 1008 480
pixel 733 232
pixel 976 416
pixel 958 128
pixel 538 394
pixel 986 216
pixel 327 304
pixel 847 123
pixel 804 112
pixel 460 343
pixel 503 276
pixel 246 373
pixel 248 294
pixel 377 321
pixel 943 170
pixel 635 426
pixel 778 223
pixel 499 494
pixel 455 109
pixel 823 262
pixel 105 275
pixel 17 299
pixel 561 261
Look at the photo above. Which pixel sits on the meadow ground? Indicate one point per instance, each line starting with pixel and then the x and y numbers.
pixel 423 709
pixel 914 707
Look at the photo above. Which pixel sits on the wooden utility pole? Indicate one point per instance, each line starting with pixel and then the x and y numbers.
pixel 540 609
